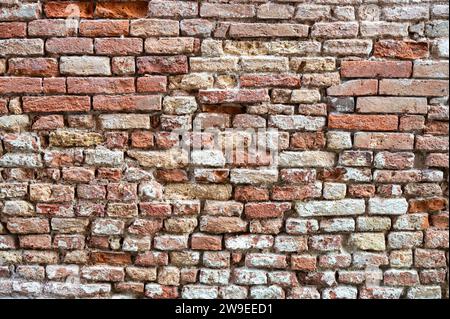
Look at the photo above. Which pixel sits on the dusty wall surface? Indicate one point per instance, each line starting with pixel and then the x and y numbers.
pixel 224 149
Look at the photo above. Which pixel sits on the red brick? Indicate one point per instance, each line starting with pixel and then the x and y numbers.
pixel 142 139
pixel 112 258
pixel 162 64
pixel 121 46
pixel 122 191
pixel 50 122
pixel 127 103
pixel 3 106
pixel 354 88
pixel 28 225
pixel 134 288
pixel 151 84
pixel 13 30
pixel 414 87
pixel 155 209
pixel 92 85
pixel 437 128
pixel 49 104
pixel 304 262
pixel 221 224
pixel 392 141
pixel 298 176
pixel 104 28
pixel 308 141
pixel 50 28
pixel 156 291
pixel 363 122
pixel 412 123
pixel 78 174
pixel 10 85
pixel 270 80
pixel 35 241
pixel 432 143
pixel 233 96
pixel 51 210
pixel 266 210
pixel 427 205
pixel 69 242
pixel 437 160
pixel 116 139
pixel 54 85
pixel 206 242
pixel 111 174
pixel 440 221
pixel 409 50
pixel 58 9
pixel 251 193
pixel 171 176
pixel 114 10
pixel 297 192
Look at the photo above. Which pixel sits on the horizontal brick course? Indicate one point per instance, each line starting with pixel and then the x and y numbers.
pixel 254 149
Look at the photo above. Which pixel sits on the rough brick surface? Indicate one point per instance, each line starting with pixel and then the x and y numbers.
pixel 224 149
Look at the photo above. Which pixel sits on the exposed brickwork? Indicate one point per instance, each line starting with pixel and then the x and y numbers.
pixel 100 196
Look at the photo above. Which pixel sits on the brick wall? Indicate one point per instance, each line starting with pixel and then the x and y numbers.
pixel 127 158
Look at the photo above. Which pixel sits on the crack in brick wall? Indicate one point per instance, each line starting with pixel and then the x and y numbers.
pixel 114 176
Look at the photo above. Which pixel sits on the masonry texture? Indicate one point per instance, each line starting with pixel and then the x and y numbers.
pixel 348 198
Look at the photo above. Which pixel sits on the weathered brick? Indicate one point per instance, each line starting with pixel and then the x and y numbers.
pixel 372 69
pixel 114 103
pixel 414 87
pixel 135 9
pixel 363 122
pixel 121 46
pixel 219 225
pixel 331 208
pixel 154 27
pixel 20 12
pixel 104 28
pixel 354 88
pixel 13 30
pixel 10 85
pixel 56 9
pixel 87 85
pixel 162 64
pixel 254 30
pixel 348 47
pixel 173 9
pixel 105 195
pixel 307 159
pixel 21 47
pixel 382 28
pixel 75 46
pixel 233 96
pixel 401 49
pixel 390 141
pixel 33 66
pixel 85 66
pixel 335 30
